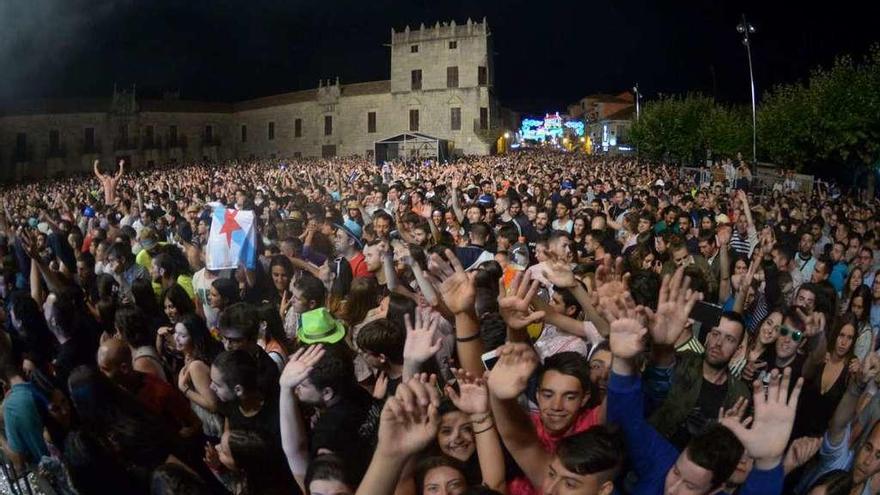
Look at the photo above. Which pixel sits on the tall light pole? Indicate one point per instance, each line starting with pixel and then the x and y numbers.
pixel 638 96
pixel 747 30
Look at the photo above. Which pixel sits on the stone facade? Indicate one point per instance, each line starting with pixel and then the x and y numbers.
pixel 434 70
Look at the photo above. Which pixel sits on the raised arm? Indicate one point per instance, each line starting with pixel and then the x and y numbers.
pixel 560 275
pixel 668 322
pixel 52 279
pixel 768 436
pixel 472 398
pixel 722 238
pixel 121 169
pixel 294 436
pixel 515 306
pixel 422 341
pixel 456 290
pixel 507 381
pixel 408 423
pixel 456 206
pixel 98 173
pixel 846 408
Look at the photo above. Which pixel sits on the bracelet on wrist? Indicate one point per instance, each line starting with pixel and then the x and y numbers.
pixel 468 339
pixel 484 430
pixel 481 419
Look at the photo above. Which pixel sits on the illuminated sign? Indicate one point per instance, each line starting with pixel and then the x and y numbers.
pixel 550 128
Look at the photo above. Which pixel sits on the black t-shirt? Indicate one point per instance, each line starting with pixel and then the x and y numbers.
pixel 705 410
pixel 265 422
pixel 267 374
pixel 348 428
pixel 797 366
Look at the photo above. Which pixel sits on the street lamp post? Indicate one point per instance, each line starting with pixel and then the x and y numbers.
pixel 747 30
pixel 638 96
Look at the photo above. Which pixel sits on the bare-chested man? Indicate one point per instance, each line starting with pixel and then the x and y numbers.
pixel 109 182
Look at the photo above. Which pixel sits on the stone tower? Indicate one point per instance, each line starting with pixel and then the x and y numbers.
pixel 439 52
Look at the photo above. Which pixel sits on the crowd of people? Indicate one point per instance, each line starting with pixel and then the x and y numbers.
pixel 534 323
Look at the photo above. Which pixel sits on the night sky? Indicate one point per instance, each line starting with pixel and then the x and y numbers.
pixel 547 54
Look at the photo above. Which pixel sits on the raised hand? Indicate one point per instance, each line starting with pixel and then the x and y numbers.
pixel 722 238
pixel 300 365
pixel 752 369
pixel 409 420
pixel 560 275
pixel 773 420
pixel 800 451
pixel 814 324
pixel 473 394
pixel 627 337
pixel 737 412
pixel 286 302
pixel 510 375
pixel 454 285
pixel 869 368
pixel 514 304
pixel 29 244
pixel 675 304
pixel 422 341
pixel 611 281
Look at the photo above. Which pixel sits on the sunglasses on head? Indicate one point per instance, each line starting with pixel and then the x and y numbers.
pixel 796 335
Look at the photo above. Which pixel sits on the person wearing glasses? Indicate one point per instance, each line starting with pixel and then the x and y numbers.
pixel 798 345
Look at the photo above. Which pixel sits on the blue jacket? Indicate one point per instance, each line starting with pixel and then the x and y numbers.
pixel 651 455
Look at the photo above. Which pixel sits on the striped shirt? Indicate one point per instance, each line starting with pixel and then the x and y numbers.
pixel 744 244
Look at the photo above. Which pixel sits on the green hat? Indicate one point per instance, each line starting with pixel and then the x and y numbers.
pixel 319 326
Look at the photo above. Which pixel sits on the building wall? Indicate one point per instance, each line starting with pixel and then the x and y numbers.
pixel 347 104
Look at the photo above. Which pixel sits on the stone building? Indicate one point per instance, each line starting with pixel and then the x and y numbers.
pixel 441 84
pixel 607 118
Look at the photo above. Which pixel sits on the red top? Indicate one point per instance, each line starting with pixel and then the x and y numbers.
pixel 359 266
pixel 586 420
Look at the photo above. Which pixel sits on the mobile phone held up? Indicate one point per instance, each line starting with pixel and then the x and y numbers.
pixel 489 359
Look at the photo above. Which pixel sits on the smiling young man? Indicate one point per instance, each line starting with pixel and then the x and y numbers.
pixel 564 390
pixel 560 449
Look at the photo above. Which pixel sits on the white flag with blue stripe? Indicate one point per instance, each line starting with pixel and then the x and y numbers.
pixel 232 240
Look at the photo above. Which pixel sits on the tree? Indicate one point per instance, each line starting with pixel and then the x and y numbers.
pixel 830 120
pixel 684 128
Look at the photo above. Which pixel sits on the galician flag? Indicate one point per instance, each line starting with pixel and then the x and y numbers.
pixel 232 240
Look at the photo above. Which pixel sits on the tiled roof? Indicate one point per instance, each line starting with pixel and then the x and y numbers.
pixel 276 100
pixel 184 106
pixel 102 105
pixel 366 88
pixel 622 114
